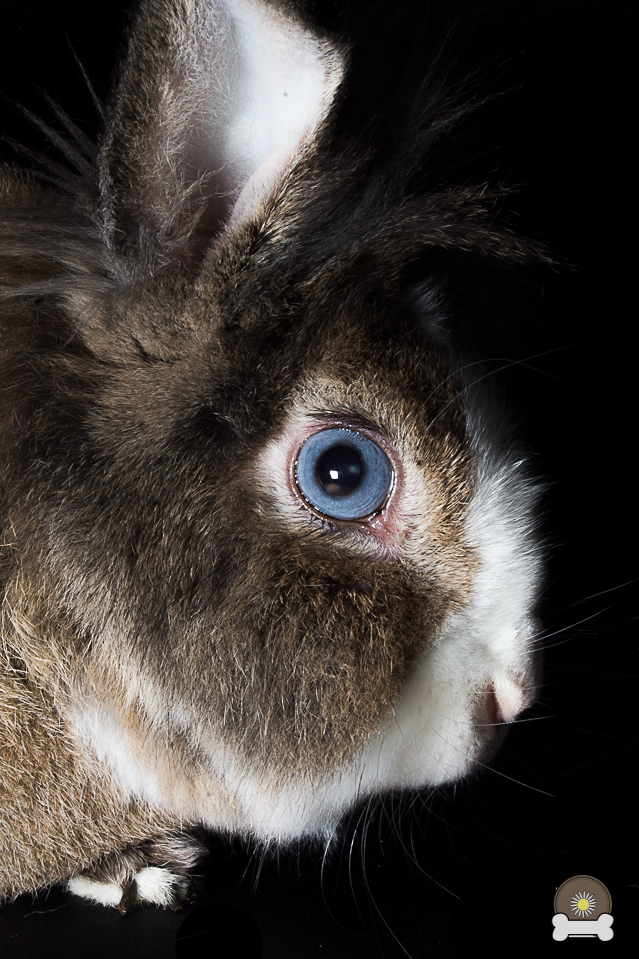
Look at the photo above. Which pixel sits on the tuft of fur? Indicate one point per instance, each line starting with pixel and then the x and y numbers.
pixel 184 642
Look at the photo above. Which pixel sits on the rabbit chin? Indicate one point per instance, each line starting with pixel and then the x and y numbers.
pixel 444 726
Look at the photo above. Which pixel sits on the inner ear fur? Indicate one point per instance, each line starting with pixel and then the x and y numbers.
pixel 216 101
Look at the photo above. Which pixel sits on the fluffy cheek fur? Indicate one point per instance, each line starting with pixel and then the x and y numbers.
pixel 286 758
pixel 289 643
pixel 297 672
pixel 329 647
pixel 302 666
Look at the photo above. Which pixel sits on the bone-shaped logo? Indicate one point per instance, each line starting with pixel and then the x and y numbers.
pixel 583 907
pixel 565 927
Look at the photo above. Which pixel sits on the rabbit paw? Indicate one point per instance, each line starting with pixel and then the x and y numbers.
pixel 155 871
pixel 153 884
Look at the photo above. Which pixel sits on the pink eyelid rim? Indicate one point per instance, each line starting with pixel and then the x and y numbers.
pixel 382 524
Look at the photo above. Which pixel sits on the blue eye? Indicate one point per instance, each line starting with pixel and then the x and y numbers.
pixel 343 474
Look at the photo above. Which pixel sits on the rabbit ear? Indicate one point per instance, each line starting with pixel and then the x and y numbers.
pixel 216 101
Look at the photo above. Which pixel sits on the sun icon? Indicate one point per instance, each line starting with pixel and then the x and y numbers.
pixel 583 904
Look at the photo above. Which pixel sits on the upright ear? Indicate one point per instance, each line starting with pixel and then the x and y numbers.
pixel 216 101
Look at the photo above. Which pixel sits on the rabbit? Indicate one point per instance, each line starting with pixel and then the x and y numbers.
pixel 269 545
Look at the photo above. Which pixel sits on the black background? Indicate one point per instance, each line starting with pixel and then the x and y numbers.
pixel 474 871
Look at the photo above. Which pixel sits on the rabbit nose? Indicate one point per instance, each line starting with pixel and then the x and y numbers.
pixel 505 699
pixel 494 714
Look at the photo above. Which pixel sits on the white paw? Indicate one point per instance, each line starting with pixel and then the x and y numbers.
pixel 153 885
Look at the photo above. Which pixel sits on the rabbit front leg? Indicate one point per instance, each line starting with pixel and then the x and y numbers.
pixel 60 814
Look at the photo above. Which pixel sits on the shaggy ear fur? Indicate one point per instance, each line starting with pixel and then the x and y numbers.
pixel 216 102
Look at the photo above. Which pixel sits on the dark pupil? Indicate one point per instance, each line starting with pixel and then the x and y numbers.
pixel 339 470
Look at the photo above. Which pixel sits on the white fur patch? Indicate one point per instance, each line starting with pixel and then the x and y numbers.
pixel 154 886
pixel 98 726
pixel 105 893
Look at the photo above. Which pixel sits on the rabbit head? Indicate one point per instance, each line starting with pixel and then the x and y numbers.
pixel 276 549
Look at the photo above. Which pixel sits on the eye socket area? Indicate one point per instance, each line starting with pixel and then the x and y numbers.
pixel 343 474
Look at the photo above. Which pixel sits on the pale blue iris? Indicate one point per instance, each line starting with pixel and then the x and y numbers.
pixel 367 475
